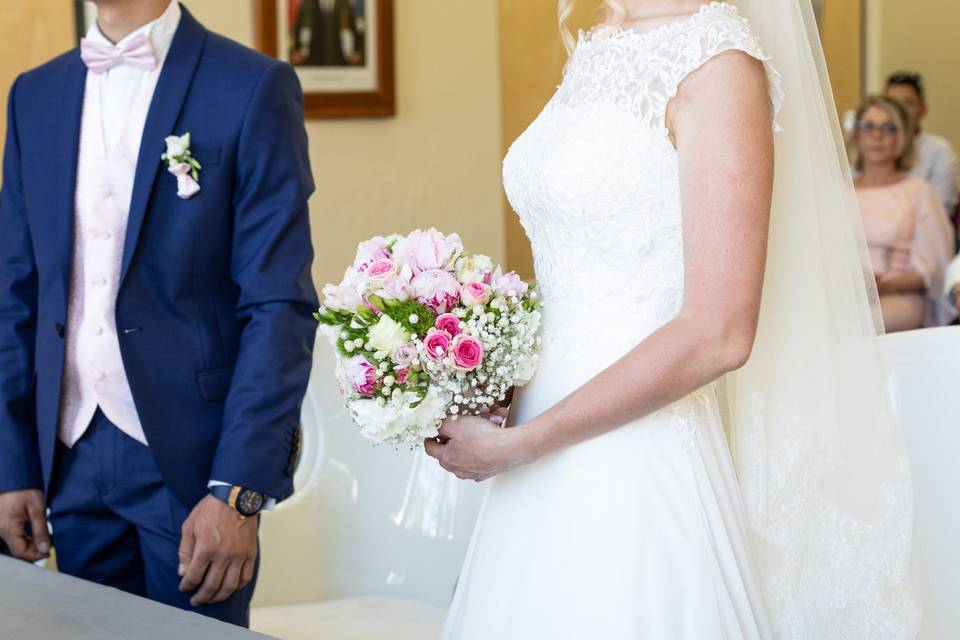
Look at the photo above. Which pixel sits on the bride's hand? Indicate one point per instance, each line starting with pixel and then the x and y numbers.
pixel 475 448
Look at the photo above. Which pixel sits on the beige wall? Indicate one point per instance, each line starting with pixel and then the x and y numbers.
pixel 30 33
pixel 922 35
pixel 436 163
pixel 840 32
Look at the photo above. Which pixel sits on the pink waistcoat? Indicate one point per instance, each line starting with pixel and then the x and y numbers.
pixel 93 373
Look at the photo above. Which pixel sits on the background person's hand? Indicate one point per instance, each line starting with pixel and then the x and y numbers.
pixel 17 510
pixel 218 552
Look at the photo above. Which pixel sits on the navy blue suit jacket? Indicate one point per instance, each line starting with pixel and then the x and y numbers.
pixel 215 300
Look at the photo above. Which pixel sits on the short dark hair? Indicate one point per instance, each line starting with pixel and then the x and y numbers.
pixel 912 79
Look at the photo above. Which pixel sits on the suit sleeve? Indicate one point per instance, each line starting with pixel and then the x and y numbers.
pixel 19 454
pixel 270 263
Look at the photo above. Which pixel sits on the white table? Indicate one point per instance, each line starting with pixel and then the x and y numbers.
pixel 43 605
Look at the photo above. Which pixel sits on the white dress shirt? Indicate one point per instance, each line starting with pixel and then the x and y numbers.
pixel 115 109
pixel 936 162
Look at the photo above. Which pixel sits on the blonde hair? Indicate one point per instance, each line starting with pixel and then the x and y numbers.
pixel 565 10
pixel 905 139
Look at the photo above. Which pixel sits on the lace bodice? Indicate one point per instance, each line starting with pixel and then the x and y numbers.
pixel 595 178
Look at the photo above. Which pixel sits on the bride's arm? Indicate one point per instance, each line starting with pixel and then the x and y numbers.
pixel 721 124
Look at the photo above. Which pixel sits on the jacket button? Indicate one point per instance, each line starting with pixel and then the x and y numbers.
pixel 60 330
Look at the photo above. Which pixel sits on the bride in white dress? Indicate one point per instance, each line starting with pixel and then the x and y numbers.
pixel 617 509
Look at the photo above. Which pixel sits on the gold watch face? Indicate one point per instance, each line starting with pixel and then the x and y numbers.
pixel 249 502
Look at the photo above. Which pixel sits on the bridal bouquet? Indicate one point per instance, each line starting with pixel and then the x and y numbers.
pixel 424 330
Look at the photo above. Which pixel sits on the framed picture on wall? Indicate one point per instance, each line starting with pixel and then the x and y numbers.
pixel 343 51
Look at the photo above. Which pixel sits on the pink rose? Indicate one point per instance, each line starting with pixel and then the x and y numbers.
pixel 380 269
pixel 401 375
pixel 405 354
pixel 436 344
pixel 341 298
pixel 437 289
pixel 475 293
pixel 466 352
pixel 449 323
pixel 361 375
pixel 427 250
pixel 370 251
pixel 507 284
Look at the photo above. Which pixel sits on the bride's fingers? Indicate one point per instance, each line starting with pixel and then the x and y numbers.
pixel 432 447
pixel 499 416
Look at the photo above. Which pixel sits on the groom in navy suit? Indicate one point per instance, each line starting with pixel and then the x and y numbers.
pixel 155 315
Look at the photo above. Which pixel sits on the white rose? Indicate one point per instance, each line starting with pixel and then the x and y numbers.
pixel 177 145
pixel 376 422
pixel 473 268
pixel 386 335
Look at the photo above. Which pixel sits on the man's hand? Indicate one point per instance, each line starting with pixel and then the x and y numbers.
pixel 17 509
pixel 218 551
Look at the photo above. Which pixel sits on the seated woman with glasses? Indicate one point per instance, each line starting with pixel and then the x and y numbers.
pixel 909 236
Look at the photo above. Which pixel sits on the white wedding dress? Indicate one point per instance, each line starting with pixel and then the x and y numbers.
pixel 640 533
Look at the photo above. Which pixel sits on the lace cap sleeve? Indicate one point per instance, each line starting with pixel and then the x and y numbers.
pixel 723 30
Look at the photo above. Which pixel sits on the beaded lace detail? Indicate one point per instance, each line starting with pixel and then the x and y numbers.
pixel 595 179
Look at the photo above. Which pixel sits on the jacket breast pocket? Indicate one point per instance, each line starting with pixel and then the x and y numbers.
pixel 215 384
pixel 206 156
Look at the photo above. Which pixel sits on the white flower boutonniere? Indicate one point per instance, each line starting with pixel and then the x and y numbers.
pixel 182 165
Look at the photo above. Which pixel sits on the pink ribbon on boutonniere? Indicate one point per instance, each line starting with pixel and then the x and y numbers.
pixel 187 187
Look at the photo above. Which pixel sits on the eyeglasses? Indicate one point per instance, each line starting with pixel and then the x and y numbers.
pixel 885 129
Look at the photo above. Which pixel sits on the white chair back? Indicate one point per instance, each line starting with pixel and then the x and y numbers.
pixel 336 537
pixel 924 384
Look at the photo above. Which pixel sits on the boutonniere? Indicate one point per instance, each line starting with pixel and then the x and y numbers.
pixel 182 165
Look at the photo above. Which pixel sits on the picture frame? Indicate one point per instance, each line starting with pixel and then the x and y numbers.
pixel 342 50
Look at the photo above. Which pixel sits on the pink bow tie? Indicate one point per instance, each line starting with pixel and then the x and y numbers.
pixel 100 57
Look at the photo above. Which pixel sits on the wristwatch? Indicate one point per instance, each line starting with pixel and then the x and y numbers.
pixel 245 502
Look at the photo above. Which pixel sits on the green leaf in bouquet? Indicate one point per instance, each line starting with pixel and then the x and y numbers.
pixel 324 316
pixel 366 315
pixel 402 312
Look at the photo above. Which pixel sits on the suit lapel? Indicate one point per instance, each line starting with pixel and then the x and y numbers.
pixel 168 97
pixel 67 142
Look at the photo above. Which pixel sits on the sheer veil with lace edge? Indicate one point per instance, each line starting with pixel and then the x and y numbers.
pixel 821 461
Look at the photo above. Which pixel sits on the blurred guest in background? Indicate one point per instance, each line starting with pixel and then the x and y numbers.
pixel 936 161
pixel 910 238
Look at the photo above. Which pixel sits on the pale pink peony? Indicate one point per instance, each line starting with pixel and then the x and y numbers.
pixel 395 288
pixel 436 344
pixel 370 251
pixel 427 250
pixel 405 354
pixel 507 284
pixel 449 323
pixel 341 298
pixel 474 294
pixel 437 289
pixel 361 375
pixel 466 352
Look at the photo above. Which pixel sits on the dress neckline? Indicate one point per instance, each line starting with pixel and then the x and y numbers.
pixel 600 34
